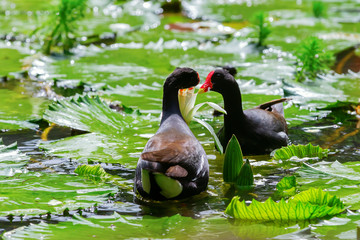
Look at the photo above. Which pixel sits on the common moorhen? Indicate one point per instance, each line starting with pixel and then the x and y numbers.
pixel 259 130
pixel 173 164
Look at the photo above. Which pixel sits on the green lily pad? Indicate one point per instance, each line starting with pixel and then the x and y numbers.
pixel 12 160
pixel 10 61
pixel 122 226
pixel 36 193
pixel 337 178
pixel 16 110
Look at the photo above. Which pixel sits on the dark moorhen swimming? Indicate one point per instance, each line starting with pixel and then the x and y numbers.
pixel 173 164
pixel 259 130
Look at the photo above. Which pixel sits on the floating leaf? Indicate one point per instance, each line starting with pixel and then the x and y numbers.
pixel 97 174
pixel 233 160
pixel 311 204
pixel 122 226
pixel 18 109
pixel 287 186
pixel 300 151
pixel 36 193
pixel 95 147
pixel 11 160
pixel 88 114
pixel 246 176
pixel 286 183
pixel 341 179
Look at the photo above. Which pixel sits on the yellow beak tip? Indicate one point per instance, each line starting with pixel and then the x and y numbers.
pixel 201 90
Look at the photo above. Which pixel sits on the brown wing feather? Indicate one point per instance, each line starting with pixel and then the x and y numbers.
pixel 266 105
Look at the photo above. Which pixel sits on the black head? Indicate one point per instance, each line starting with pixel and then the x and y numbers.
pixel 219 81
pixel 182 78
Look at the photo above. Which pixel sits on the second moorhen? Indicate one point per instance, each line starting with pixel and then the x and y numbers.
pixel 259 130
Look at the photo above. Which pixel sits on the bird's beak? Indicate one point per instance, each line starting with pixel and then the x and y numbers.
pixel 201 90
pixel 207 84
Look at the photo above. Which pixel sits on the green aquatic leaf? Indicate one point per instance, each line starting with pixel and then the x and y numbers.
pixel 307 205
pixel 12 161
pixel 88 114
pixel 36 193
pixel 319 9
pixel 11 59
pixel 318 197
pixel 262 27
pixel 312 58
pixel 246 175
pixel 126 227
pixel 95 147
pixel 233 160
pixel 337 178
pixel 213 134
pixel 287 186
pixel 95 173
pixel 17 110
pixel 286 183
pixel 300 151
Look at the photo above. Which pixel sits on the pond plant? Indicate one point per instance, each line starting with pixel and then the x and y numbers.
pixel 313 59
pixel 260 129
pixel 61 28
pixel 319 9
pixel 262 28
pixel 74 127
pixel 307 205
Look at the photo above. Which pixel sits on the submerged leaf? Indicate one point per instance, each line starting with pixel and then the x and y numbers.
pixel 300 151
pixel 233 160
pixel 310 204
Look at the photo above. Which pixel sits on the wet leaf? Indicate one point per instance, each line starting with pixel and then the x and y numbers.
pixel 95 147
pixel 233 160
pixel 12 161
pixel 88 114
pixel 300 151
pixel 17 110
pixel 307 205
pixel 337 178
pixel 245 178
pixel 287 186
pixel 38 193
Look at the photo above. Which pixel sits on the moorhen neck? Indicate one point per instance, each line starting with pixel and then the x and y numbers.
pixel 259 130
pixel 173 164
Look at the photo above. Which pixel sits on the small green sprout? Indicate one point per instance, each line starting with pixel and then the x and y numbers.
pixel 319 9
pixel 60 29
pixel 312 58
pixel 262 27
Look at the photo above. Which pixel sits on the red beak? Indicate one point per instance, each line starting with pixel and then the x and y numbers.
pixel 207 84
